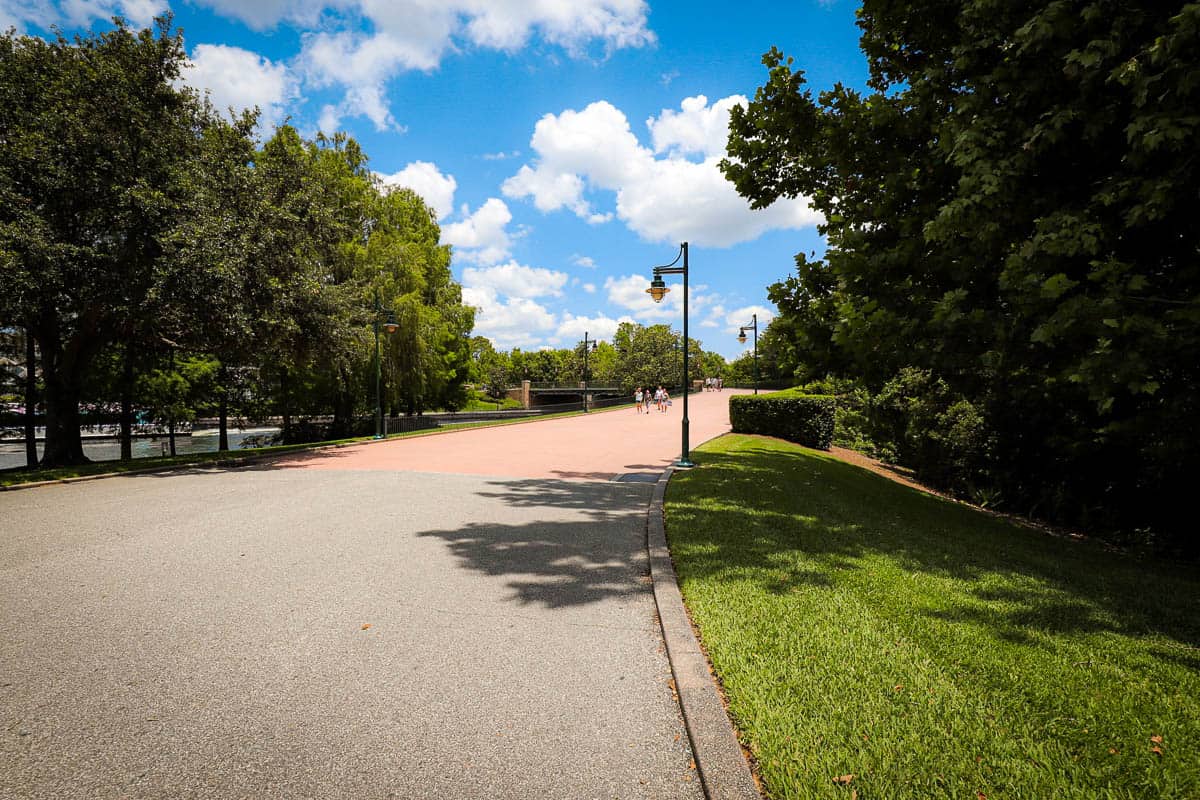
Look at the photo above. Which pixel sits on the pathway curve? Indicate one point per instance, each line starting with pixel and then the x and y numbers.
pixel 596 446
pixel 356 623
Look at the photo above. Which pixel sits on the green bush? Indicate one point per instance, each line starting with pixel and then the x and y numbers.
pixel 805 419
pixel 936 432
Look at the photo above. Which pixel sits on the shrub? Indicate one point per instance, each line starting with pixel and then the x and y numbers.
pixel 938 433
pixel 801 418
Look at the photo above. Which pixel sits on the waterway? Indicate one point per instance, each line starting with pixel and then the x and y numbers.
pixel 12 454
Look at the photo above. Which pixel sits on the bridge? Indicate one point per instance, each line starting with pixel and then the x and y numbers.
pixel 537 395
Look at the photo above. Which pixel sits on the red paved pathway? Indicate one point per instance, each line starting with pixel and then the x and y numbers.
pixel 597 446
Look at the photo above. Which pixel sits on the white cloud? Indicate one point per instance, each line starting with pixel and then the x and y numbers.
pixel 139 12
pixel 600 327
pixel 242 79
pixel 515 322
pixel 696 128
pixel 662 199
pixel 629 292
pixel 590 288
pixel 583 261
pixel 571 24
pixel 715 317
pixel 742 316
pixel 416 35
pixel 424 178
pixel 515 280
pixel 76 13
pixel 16 13
pixel 501 156
pixel 261 14
pixel 481 237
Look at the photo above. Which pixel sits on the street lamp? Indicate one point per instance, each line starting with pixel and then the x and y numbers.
pixel 585 368
pixel 742 340
pixel 390 326
pixel 658 289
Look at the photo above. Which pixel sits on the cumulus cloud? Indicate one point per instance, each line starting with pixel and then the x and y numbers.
pixel 424 178
pixel 481 237
pixel 583 261
pixel 661 194
pixel 20 14
pixel 508 322
pixel 516 280
pixel 629 292
pixel 139 12
pixel 600 328
pixel 262 14
pixel 240 79
pixel 416 34
pixel 735 319
pixel 697 128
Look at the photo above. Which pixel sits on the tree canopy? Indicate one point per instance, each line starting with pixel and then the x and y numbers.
pixel 1009 208
pixel 142 235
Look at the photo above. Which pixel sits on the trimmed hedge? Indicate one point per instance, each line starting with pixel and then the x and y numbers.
pixel 805 419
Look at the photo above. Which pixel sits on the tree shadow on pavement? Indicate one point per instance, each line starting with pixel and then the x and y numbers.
pixel 596 554
pixel 555 564
pixel 601 500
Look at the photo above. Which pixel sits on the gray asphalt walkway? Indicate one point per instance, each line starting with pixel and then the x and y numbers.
pixel 333 633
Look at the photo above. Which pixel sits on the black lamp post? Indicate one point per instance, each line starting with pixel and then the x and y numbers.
pixel 658 289
pixel 585 368
pixel 742 339
pixel 390 326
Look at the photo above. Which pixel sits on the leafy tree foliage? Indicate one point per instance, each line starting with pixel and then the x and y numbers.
pixel 1010 212
pixel 96 141
pixel 142 235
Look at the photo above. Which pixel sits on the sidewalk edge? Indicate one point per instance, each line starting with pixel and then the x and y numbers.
pixel 724 773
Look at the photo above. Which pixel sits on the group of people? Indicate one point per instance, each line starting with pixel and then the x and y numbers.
pixel 713 384
pixel 642 399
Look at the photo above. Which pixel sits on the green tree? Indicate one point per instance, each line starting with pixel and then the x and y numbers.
pixel 1009 209
pixel 96 141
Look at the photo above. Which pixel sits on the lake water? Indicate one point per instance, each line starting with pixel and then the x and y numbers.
pixel 12 454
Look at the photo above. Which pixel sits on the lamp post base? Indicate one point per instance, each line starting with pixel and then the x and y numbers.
pixel 683 462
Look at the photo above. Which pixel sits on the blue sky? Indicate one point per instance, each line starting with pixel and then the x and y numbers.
pixel 567 146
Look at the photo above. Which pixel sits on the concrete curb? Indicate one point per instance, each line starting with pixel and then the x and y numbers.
pixel 724 773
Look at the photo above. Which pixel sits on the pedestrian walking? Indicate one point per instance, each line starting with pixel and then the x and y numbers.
pixel 637 399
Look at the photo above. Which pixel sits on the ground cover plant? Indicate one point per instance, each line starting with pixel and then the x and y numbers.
pixel 927 649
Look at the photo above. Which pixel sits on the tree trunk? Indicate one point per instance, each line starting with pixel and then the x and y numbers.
pixel 127 406
pixel 31 453
pixel 285 398
pixel 223 414
pixel 64 445
pixel 172 400
pixel 344 422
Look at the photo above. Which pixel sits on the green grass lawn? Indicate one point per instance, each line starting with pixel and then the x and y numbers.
pixel 864 628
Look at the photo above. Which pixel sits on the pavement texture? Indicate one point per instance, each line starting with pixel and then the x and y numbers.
pixel 405 626
pixel 598 446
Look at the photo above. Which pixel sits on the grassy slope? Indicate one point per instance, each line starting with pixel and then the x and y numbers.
pixel 862 627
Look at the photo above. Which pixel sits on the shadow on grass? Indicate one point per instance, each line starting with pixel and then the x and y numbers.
pixel 800 517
